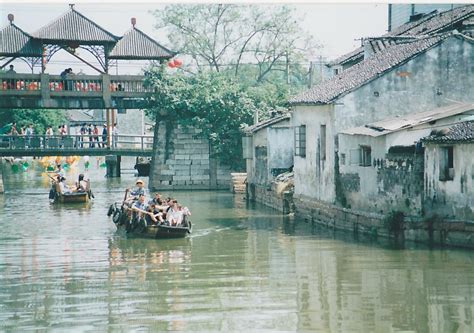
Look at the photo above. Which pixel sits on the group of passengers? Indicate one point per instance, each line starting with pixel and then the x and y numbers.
pixel 165 211
pixel 81 185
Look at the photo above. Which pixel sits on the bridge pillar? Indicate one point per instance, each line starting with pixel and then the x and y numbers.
pixel 1 175
pixel 113 165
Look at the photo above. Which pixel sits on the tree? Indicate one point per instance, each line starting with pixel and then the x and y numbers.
pixel 209 101
pixel 224 37
pixel 39 118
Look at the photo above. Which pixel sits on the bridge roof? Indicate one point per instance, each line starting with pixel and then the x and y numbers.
pixel 72 26
pixel 14 42
pixel 136 45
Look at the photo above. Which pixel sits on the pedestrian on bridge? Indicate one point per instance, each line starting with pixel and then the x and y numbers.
pixel 11 83
pixel 104 136
pixel 29 133
pixel 95 132
pixel 115 135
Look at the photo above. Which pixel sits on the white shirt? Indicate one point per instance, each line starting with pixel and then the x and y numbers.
pixel 64 188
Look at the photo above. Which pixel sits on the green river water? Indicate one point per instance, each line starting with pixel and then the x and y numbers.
pixel 244 268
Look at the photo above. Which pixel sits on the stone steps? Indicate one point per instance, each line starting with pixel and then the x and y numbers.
pixel 237 184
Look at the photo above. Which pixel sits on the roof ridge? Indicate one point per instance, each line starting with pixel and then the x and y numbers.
pixel 97 25
pixel 72 11
pixel 336 89
pixel 429 16
pixel 154 41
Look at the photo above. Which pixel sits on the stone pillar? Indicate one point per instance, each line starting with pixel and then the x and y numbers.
pixel 113 165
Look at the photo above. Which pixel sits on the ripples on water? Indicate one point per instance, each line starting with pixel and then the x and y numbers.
pixel 243 268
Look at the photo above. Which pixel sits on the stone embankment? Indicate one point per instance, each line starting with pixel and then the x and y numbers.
pixel 432 230
pixel 277 195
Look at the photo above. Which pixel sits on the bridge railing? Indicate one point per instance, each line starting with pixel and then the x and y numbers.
pixel 78 142
pixel 48 86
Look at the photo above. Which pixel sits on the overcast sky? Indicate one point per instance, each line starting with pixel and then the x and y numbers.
pixel 336 26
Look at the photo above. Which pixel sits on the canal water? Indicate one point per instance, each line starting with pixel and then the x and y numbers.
pixel 244 268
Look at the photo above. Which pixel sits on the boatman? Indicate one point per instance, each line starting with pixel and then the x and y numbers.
pixel 139 189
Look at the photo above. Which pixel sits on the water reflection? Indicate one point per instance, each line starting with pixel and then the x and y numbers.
pixel 243 268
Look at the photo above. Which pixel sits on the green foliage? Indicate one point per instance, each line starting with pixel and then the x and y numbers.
pixel 210 101
pixel 39 118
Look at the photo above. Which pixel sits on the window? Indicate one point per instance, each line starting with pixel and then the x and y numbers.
pixel 446 163
pixel 300 141
pixel 343 159
pixel 365 156
pixel 323 142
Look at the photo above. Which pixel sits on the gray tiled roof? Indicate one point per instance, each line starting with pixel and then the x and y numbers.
pixel 462 132
pixel 265 123
pixel 135 44
pixel 75 27
pixel 365 71
pixel 14 42
pixel 431 23
pixel 404 122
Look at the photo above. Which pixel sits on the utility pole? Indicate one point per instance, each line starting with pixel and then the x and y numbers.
pixel 287 69
pixel 310 75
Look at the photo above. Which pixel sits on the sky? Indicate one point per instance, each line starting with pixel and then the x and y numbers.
pixel 336 26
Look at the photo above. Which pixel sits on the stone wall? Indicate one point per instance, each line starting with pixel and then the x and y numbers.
pixel 267 196
pixel 182 160
pixel 432 231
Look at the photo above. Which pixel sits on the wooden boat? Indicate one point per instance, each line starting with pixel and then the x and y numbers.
pixel 139 228
pixel 143 166
pixel 157 231
pixel 73 197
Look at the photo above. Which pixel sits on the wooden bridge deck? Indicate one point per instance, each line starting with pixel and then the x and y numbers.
pixel 74 145
pixel 39 91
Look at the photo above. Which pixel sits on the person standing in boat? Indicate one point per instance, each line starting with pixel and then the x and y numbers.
pixel 139 189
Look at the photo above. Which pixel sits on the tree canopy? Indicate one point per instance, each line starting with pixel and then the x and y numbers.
pixel 40 119
pixel 210 101
pixel 225 37
pixel 239 60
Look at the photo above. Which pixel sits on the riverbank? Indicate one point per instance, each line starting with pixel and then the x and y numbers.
pixel 432 231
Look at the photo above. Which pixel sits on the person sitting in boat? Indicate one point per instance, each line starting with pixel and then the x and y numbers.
pixel 59 171
pixel 156 200
pixel 82 185
pixel 139 208
pixel 156 212
pixel 174 215
pixel 63 187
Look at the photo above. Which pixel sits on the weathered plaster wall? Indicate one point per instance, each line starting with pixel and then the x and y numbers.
pixel 280 146
pixel 272 148
pixel 182 160
pixel 421 84
pixel 393 181
pixel 451 197
pixel 314 177
pixel 259 144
